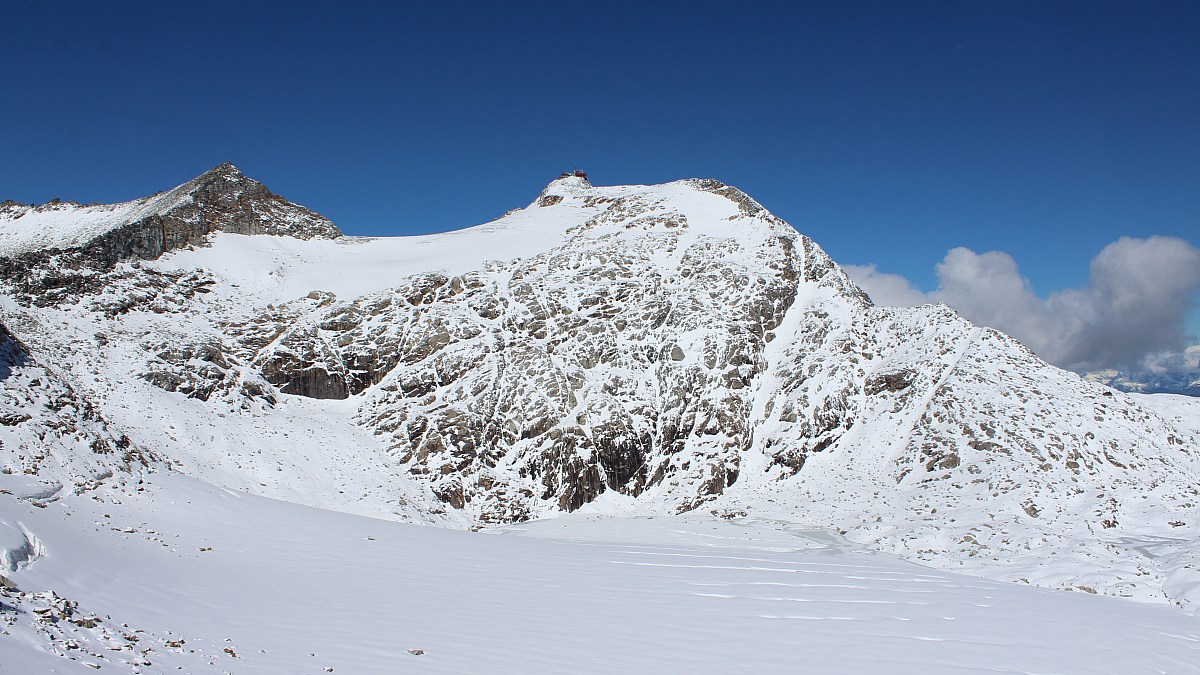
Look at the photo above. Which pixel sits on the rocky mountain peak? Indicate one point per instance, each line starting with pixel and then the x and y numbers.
pixel 225 199
pixel 224 168
pixel 574 177
pixel 224 174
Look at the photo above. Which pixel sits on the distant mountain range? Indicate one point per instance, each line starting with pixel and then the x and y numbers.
pixel 1146 382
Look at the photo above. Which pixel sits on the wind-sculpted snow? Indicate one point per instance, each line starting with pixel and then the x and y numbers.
pixel 656 348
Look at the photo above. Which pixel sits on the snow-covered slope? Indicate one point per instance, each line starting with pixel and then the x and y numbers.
pixel 185 577
pixel 624 350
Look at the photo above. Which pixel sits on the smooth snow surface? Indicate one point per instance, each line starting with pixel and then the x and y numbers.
pixel 244 584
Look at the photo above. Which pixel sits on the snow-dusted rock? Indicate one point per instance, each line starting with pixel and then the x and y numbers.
pixel 49 431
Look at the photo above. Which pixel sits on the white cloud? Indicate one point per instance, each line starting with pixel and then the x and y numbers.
pixel 889 290
pixel 1131 313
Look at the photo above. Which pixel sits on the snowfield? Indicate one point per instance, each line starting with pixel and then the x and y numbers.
pixel 180 574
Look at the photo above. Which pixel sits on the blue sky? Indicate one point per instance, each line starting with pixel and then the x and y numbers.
pixel 889 132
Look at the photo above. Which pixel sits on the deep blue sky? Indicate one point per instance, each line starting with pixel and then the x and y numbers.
pixel 889 131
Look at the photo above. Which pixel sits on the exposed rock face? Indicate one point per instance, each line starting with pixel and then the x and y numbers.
pixel 673 346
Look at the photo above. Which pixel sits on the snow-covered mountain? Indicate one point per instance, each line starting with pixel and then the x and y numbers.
pixel 634 349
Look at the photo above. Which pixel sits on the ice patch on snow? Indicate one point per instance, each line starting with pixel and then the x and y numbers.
pixel 18 546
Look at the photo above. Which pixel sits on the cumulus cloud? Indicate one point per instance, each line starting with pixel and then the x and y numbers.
pixel 1131 313
pixel 889 290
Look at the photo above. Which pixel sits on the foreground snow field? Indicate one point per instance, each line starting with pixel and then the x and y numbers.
pixel 185 576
